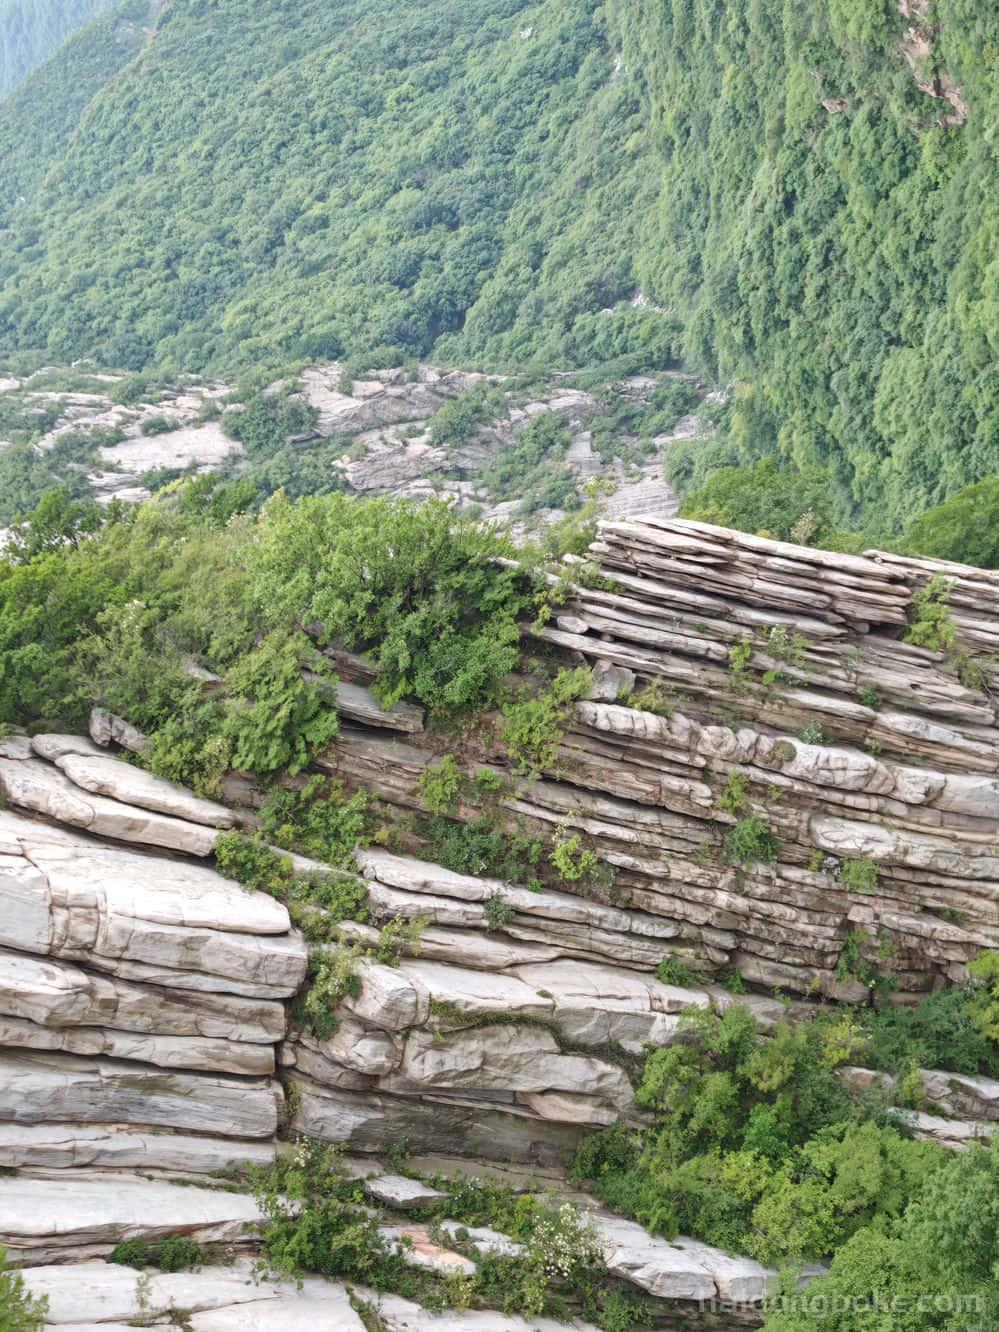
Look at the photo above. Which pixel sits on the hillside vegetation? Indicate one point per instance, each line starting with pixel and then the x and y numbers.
pixel 771 193
pixel 31 30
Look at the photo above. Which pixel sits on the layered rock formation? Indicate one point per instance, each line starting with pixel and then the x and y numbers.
pixel 143 1021
pixel 721 658
pixel 140 993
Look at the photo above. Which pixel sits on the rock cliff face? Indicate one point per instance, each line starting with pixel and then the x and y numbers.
pixel 144 1031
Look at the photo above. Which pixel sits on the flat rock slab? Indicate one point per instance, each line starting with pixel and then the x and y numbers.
pixel 400 1192
pixel 402 1315
pixel 141 916
pixel 216 1300
pixel 359 704
pixel 47 1215
pixel 43 789
pixel 101 774
pixel 74 1146
pixel 683 1270
pixel 62 1088
pixel 372 1122
pixel 419 1250
pixel 62 994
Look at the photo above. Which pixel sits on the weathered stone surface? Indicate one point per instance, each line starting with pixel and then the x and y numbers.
pixel 106 729
pixel 357 1047
pixel 90 1212
pixel 419 1250
pixel 67 1145
pixel 180 1052
pixel 359 704
pixel 43 789
pixel 61 994
pixel 103 775
pixel 506 1057
pixel 387 998
pixel 214 1300
pixel 684 1269
pixel 372 1122
pixel 155 919
pixel 400 1192
pixel 61 1088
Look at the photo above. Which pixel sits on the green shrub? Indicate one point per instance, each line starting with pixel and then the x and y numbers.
pixel 19 1312
pixel 498 912
pixel 484 848
pixel 160 425
pixel 676 970
pixel 570 859
pixel 172 1253
pixel 319 821
pixel 532 729
pixel 932 624
pixel 859 876
pixel 440 785
pixel 750 841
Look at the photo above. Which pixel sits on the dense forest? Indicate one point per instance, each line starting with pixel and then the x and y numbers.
pixel 776 195
pixel 31 30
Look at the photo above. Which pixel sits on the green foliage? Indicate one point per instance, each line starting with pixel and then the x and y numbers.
pixel 267 422
pixel 769 500
pixel 458 419
pixel 942 1031
pixel 498 912
pixel 735 798
pixel 160 425
pixel 440 785
pixel 930 1269
pixel 754 1144
pixel 484 847
pixel 750 841
pixel 859 876
pixel 510 195
pixel 172 1253
pixel 932 624
pixel 533 728
pixel 318 820
pixel 570 860
pixel 31 30
pixel 415 586
pixel 985 1009
pixel 532 468
pixel 19 1312
pixel 332 976
pixel 964 528
pixel 676 970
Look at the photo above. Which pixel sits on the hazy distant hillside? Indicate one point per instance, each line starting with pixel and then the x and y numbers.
pixel 797 200
pixel 30 30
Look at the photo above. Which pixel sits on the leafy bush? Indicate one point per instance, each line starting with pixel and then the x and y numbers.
pixel 415 586
pixel 533 728
pixel 859 876
pixel 458 419
pixel 19 1312
pixel 485 848
pixel 751 840
pixel 440 785
pixel 318 821
pixel 172 1253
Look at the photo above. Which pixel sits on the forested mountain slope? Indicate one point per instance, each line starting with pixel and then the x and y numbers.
pixel 30 30
pixel 797 201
